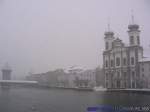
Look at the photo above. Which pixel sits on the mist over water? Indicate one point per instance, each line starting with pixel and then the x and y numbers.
pixel 44 35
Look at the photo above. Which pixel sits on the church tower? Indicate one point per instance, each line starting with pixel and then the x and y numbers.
pixel 109 38
pixel 134 33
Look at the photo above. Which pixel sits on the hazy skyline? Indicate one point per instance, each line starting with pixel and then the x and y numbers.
pixel 43 35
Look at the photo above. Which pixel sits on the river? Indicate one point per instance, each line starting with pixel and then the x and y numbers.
pixel 31 99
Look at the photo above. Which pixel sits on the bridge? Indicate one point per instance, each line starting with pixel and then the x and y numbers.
pixel 8 83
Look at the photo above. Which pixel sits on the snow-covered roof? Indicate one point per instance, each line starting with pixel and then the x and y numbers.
pixel 144 59
pixel 76 68
pixel 18 81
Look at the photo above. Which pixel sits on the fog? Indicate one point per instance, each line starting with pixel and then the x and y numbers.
pixel 42 35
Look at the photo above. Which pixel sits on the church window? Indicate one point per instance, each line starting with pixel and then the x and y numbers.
pixel 142 69
pixel 133 74
pixel 118 74
pixel 112 63
pixel 132 60
pixel 138 39
pixel 107 45
pixel 106 63
pixel 125 74
pixel 106 76
pixel 117 61
pixel 142 75
pixel 124 61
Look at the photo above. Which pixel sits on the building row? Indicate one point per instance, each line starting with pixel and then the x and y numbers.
pixel 71 78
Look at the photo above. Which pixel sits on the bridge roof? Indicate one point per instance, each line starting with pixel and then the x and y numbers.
pixel 18 81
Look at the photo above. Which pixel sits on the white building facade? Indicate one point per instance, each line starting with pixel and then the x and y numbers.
pixel 121 62
pixel 79 77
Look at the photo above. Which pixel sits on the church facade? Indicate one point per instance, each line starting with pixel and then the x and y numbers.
pixel 121 62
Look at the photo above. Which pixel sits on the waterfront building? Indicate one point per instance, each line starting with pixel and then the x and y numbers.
pixel 121 62
pixel 86 79
pixel 71 78
pixel 145 72
pixel 82 77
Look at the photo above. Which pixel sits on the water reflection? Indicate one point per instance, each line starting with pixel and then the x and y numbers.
pixel 5 98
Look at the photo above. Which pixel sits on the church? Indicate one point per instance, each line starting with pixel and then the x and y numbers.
pixel 124 65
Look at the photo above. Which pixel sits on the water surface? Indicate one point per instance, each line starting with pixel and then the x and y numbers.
pixel 29 99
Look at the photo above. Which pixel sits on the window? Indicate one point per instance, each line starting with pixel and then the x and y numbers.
pixel 142 75
pixel 133 74
pixel 107 45
pixel 106 63
pixel 106 84
pixel 131 40
pixel 138 39
pixel 117 61
pixel 142 69
pixel 112 63
pixel 133 84
pixel 125 84
pixel 125 75
pixel 124 61
pixel 118 84
pixel 118 74
pixel 112 75
pixel 132 60
pixel 106 76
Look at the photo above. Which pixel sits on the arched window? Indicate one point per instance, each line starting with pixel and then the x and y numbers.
pixel 124 61
pixel 117 61
pixel 138 39
pixel 133 74
pixel 106 63
pixel 132 60
pixel 111 63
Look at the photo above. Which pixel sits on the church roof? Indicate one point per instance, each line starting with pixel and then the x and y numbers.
pixel 118 40
pixel 133 27
pixel 109 33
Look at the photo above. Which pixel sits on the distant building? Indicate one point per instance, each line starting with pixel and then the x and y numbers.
pixel 6 72
pixel 37 77
pixel 74 77
pixel 63 80
pixel 50 78
pixel 82 78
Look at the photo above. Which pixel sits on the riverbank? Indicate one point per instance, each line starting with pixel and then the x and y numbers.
pixel 67 88
pixel 143 91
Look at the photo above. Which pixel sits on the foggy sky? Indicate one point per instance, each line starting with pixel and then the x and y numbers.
pixel 42 35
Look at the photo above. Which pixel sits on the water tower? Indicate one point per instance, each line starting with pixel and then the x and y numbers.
pixel 6 72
